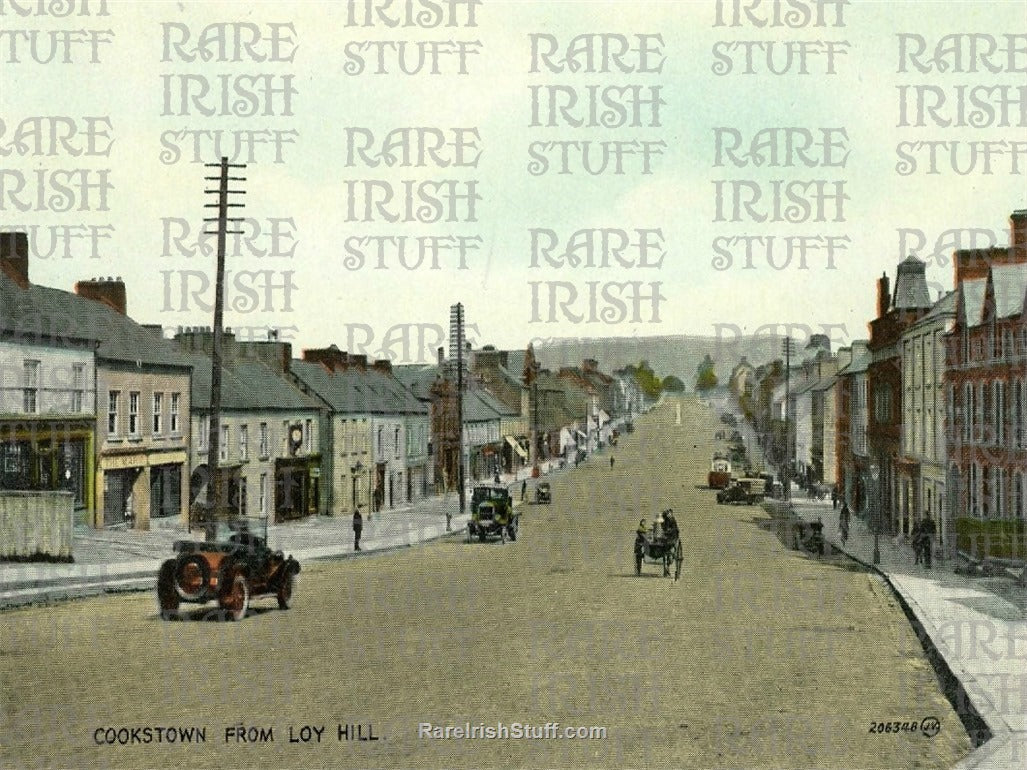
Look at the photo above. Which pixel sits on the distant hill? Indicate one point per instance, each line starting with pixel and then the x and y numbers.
pixel 679 355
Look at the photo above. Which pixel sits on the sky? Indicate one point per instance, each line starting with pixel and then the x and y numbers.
pixel 844 101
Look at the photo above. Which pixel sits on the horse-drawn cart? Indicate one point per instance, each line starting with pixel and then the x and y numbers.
pixel 656 546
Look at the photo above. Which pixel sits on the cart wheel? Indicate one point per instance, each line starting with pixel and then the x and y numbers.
pixel 679 558
pixel 513 533
pixel 468 539
pixel 235 599
pixel 167 597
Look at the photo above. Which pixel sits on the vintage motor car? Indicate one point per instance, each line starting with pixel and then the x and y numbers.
pixel 749 491
pixel 543 493
pixel 232 569
pixel 492 519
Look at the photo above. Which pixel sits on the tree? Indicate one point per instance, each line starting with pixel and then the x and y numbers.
pixel 672 384
pixel 648 382
pixel 705 378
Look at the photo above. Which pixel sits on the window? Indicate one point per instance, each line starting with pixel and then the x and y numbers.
pixel 262 495
pixel 1018 414
pixel 379 440
pixel 78 387
pixel 882 404
pixel 242 497
pixel 113 399
pixel 133 413
pixel 204 437
pixel 999 507
pixel 308 436
pixel 974 491
pixel 30 388
pixel 176 404
pixel 223 444
pixel 244 442
pixel 1007 343
pixel 999 414
pixel 979 412
pixel 395 443
pixel 158 406
pixel 1018 496
pixel 263 449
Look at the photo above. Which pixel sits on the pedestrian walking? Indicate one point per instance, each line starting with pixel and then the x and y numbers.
pixel 358 527
pixel 834 497
pixel 843 521
pixel 611 462
pixel 524 489
pixel 928 530
pixel 916 539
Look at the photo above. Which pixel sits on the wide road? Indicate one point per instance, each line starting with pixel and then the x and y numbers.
pixel 758 657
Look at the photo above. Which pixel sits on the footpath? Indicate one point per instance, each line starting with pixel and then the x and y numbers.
pixel 977 626
pixel 113 560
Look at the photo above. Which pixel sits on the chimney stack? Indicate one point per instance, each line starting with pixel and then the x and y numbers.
pixel 360 362
pixel 107 291
pixel 590 365
pixel 384 366
pixel 1018 232
pixel 331 358
pixel 440 355
pixel 14 257
pixel 883 295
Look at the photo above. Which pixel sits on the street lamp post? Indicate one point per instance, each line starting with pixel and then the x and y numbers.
pixel 875 511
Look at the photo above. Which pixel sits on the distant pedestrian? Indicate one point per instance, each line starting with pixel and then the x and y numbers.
pixel 611 462
pixel 834 497
pixel 524 489
pixel 918 544
pixel 358 527
pixel 928 530
pixel 843 521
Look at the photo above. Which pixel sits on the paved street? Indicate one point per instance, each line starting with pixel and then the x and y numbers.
pixel 758 657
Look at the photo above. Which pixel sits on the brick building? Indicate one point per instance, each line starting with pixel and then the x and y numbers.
pixel 986 361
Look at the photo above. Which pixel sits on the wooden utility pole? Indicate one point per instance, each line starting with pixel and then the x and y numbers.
pixel 215 487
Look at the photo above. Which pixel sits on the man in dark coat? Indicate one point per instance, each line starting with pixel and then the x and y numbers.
pixel 928 529
pixel 358 527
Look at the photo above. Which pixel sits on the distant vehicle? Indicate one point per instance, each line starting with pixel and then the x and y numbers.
pixel 720 473
pixel 629 427
pixel 485 492
pixel 748 491
pixel 543 493
pixel 233 570
pixel 728 419
pixel 491 519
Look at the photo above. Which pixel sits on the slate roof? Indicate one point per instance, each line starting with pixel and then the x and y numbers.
pixel 40 312
pixel 351 391
pixel 1009 283
pixel 246 386
pixel 911 285
pixel 858 364
pixel 973 300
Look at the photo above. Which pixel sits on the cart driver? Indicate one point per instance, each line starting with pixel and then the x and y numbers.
pixel 670 526
pixel 640 535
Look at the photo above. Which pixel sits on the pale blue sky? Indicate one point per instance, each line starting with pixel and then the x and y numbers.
pixel 678 197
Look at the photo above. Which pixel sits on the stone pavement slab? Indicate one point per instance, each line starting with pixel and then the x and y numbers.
pixel 978 626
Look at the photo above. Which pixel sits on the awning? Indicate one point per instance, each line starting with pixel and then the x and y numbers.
pixel 516 447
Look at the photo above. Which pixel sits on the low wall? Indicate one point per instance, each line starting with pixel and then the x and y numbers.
pixel 36 526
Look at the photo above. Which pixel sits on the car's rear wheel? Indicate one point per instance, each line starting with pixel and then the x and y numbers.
pixel 192 575
pixel 235 596
pixel 167 597
pixel 285 592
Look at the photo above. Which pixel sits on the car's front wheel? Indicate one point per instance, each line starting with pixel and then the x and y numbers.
pixel 235 596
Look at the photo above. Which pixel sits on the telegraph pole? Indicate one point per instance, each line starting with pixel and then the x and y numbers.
pixel 215 499
pixel 456 326
pixel 787 344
